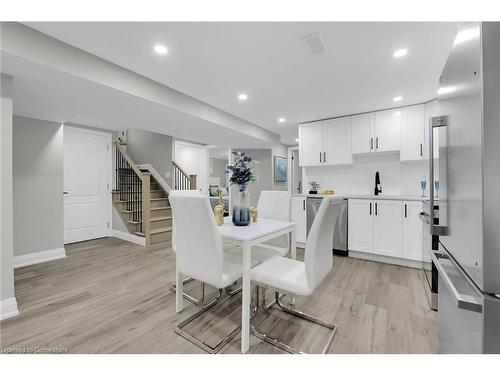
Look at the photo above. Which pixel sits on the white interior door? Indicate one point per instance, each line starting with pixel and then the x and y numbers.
pixel 87 160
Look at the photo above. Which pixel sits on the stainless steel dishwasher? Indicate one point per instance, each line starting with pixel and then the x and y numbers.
pixel 340 229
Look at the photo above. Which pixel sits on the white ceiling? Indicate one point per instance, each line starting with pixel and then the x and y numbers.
pixel 270 62
pixel 49 94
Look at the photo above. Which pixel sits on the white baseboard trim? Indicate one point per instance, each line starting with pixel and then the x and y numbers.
pixel 39 257
pixel 8 308
pixel 138 240
pixel 385 259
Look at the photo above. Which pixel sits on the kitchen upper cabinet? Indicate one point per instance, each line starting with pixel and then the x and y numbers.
pixel 337 141
pixel 325 142
pixel 360 225
pixel 299 217
pixel 362 127
pixel 311 144
pixel 412 133
pixel 387 228
pixel 388 130
pixel 412 230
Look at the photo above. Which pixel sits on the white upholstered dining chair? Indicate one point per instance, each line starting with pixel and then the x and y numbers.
pixel 200 255
pixel 301 278
pixel 273 205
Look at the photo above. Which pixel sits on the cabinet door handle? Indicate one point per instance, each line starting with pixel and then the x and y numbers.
pixel 324 157
pixel 304 205
pixel 406 211
pixel 371 143
pixel 370 208
pixel 376 146
pixel 421 153
pixel 320 157
pixel 376 209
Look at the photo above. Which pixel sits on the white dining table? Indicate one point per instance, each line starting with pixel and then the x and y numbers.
pixel 246 237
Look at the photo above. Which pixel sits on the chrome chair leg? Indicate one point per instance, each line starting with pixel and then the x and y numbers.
pixel 274 341
pixel 187 296
pixel 203 345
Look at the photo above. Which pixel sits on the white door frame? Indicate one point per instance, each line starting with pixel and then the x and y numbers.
pixel 206 164
pixel 290 174
pixel 109 169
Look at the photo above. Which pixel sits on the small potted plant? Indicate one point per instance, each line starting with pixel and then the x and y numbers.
pixel 314 187
pixel 241 174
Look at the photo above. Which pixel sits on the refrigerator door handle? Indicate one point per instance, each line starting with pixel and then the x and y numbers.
pixel 464 301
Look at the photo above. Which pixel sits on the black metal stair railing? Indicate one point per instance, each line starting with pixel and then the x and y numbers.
pixel 129 186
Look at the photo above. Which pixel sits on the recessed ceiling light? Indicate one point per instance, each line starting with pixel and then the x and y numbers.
pixel 297 140
pixel 446 90
pixel 465 35
pixel 400 52
pixel 161 49
pixel 397 98
pixel 281 119
pixel 242 97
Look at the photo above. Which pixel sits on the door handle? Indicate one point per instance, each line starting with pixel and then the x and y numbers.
pixel 464 301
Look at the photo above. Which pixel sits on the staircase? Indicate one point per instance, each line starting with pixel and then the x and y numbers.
pixel 140 200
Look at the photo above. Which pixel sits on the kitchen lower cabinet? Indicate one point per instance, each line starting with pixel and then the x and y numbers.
pixel 387 227
pixel 299 217
pixel 360 225
pixel 412 230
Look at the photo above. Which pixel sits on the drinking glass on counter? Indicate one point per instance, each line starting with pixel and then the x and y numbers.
pixel 423 185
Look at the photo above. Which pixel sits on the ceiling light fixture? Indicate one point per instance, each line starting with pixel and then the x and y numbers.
pixel 446 90
pixel 397 98
pixel 161 49
pixel 297 140
pixel 281 120
pixel 465 35
pixel 242 97
pixel 400 52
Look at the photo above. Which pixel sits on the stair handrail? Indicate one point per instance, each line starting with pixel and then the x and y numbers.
pixel 134 166
pixel 145 178
pixel 191 178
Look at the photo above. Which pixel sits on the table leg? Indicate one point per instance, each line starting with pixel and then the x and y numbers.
pixel 293 244
pixel 245 300
pixel 179 289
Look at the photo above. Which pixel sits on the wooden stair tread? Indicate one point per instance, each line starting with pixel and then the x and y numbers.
pixel 160 208
pixel 153 219
pixel 156 231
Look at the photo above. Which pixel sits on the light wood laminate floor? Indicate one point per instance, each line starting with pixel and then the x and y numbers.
pixel 111 296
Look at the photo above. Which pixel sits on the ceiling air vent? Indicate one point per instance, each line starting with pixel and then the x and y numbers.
pixel 313 41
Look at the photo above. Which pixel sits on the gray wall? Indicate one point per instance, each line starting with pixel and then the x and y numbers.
pixel 265 171
pixel 151 148
pixel 217 167
pixel 6 207
pixel 38 185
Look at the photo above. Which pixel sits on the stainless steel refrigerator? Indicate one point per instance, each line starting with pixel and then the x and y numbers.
pixel 468 171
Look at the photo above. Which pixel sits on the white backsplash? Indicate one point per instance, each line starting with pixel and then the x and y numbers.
pixel 395 177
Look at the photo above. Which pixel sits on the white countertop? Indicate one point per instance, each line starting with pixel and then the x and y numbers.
pixel 367 196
